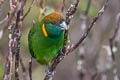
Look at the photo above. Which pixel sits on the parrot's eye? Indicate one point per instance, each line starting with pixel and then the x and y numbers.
pixel 53 23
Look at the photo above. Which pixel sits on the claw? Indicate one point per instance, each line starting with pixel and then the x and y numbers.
pixel 61 52
pixel 48 72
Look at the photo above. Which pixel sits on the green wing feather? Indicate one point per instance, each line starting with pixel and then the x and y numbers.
pixel 31 33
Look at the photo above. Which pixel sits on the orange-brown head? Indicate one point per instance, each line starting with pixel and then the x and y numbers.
pixel 53 25
pixel 53 18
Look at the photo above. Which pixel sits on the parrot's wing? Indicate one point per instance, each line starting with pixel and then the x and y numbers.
pixel 30 35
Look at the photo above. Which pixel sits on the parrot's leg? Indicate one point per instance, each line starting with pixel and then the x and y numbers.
pixel 48 72
pixel 61 52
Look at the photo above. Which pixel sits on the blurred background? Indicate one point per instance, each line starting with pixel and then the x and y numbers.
pixel 92 60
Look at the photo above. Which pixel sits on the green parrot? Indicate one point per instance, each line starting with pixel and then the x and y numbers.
pixel 45 38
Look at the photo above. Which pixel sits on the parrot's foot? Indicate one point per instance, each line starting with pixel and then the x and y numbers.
pixel 48 72
pixel 61 52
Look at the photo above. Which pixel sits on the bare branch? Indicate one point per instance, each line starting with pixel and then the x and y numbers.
pixel 112 46
pixel 71 11
pixel 111 40
pixel 16 11
pixel 32 4
pixel 7 69
pixel 30 68
pixel 16 35
pixel 16 67
pixel 63 6
pixel 5 28
pixel 81 51
pixel 88 8
pixel 9 59
pixel 12 8
pixel 14 40
pixel 2 21
pixel 89 28
pixel 23 69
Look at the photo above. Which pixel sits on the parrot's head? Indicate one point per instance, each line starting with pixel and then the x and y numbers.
pixel 53 25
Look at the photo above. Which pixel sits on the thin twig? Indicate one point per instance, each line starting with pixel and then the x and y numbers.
pixel 32 4
pixel 9 60
pixel 23 68
pixel 2 31
pixel 14 39
pixel 16 66
pixel 8 64
pixel 88 8
pixel 112 44
pixel 16 36
pixel 2 21
pixel 30 68
pixel 81 51
pixel 10 52
pixel 63 6
pixel 89 28
pixel 111 40
pixel 12 8
pixel 69 16
pixel 7 69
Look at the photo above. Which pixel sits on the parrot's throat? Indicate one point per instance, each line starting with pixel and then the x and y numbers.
pixel 44 30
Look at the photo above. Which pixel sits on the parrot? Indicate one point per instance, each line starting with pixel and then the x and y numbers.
pixel 46 38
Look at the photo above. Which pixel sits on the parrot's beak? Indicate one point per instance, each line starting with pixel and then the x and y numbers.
pixel 63 26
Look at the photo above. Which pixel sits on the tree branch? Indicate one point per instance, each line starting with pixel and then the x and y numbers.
pixel 30 68
pixel 63 6
pixel 88 8
pixel 66 51
pixel 89 28
pixel 16 35
pixel 69 16
pixel 23 68
pixel 111 40
pixel 14 40
pixel 2 21
pixel 81 52
pixel 32 4
pixel 8 65
pixel 12 8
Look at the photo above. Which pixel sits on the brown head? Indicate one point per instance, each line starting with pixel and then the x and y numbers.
pixel 53 18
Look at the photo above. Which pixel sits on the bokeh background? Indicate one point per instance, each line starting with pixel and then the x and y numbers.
pixel 91 59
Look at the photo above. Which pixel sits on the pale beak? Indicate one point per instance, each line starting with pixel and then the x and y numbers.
pixel 63 26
